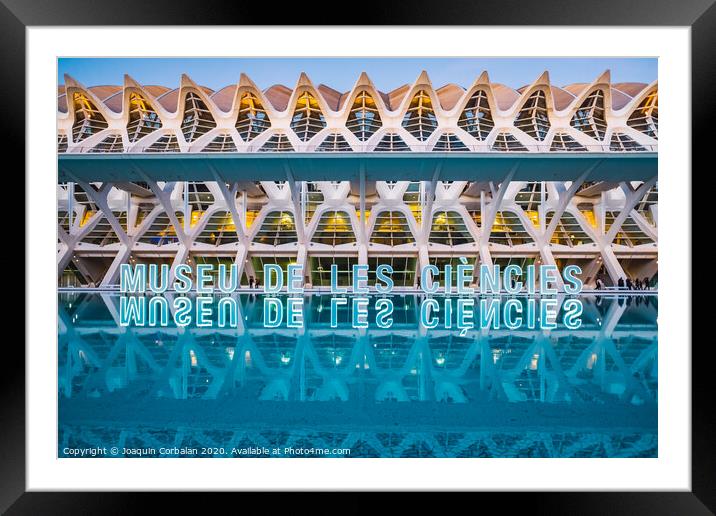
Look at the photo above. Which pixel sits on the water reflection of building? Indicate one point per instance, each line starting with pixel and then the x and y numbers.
pixel 426 210
pixel 612 357
pixel 607 367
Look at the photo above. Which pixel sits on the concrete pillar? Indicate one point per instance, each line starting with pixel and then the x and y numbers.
pixel 112 274
pixel 612 265
pixel 242 263
pixel 363 254
pixel 545 253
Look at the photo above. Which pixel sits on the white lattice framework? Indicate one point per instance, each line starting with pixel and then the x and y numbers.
pixel 590 120
pixel 602 361
pixel 540 118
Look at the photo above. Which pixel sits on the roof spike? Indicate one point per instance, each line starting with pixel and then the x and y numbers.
pixel 605 77
pixel 482 80
pixel 303 80
pixel 129 82
pixel 187 81
pixel 70 82
pixel 423 78
pixel 245 81
pixel 543 79
pixel 363 80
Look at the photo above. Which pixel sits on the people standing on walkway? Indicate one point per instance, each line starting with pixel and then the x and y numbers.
pixel 620 283
pixel 646 284
pixel 629 284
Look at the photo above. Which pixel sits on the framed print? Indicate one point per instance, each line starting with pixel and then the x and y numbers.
pixel 256 261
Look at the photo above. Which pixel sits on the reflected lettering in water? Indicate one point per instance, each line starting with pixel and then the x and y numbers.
pixel 403 391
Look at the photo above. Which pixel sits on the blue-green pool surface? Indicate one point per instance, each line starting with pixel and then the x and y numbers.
pixel 320 391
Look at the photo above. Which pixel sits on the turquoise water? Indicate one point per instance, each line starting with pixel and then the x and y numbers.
pixel 342 392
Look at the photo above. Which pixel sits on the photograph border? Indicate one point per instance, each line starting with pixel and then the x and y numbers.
pixel 699 15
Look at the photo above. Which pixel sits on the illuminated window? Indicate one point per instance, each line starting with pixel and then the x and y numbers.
pixel 587 210
pixel 61 143
pixel 420 119
pixel 220 229
pixel 449 142
pixel 277 143
pixel 391 142
pixel 476 118
pixel 199 196
pixel 222 143
pixel 391 228
pixel 307 117
pixel 63 220
pixel 252 119
pixel 412 197
pixel 651 198
pixel 590 117
pixel 533 118
pixel 476 216
pixel 530 196
pixel 629 234
pixel 506 142
pixel 568 231
pixel 251 217
pixel 277 345
pixel 102 233
pixel 334 142
pixel 166 143
pixel 215 261
pixel 449 229
pixel 507 229
pixel 160 231
pixel 143 120
pixel 197 119
pixel 440 262
pixel 334 228
pixel 645 118
pixel 622 142
pixel 112 143
pixel 278 228
pixel 88 119
pixel 83 198
pixel 403 269
pixel 320 267
pixel 363 119
pixel 563 142
pixel 312 198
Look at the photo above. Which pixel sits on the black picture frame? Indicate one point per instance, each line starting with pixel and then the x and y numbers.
pixel 700 15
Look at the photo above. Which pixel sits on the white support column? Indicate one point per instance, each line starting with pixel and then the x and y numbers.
pixel 229 196
pixel 99 196
pixel 300 225
pixel 362 238
pixel 564 201
pixel 302 250
pixel 110 277
pixel 427 220
pixel 611 263
pixel 489 213
pixel 633 196
pixel 543 241
pixel 164 197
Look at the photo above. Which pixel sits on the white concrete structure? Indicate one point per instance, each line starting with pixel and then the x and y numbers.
pixel 602 225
